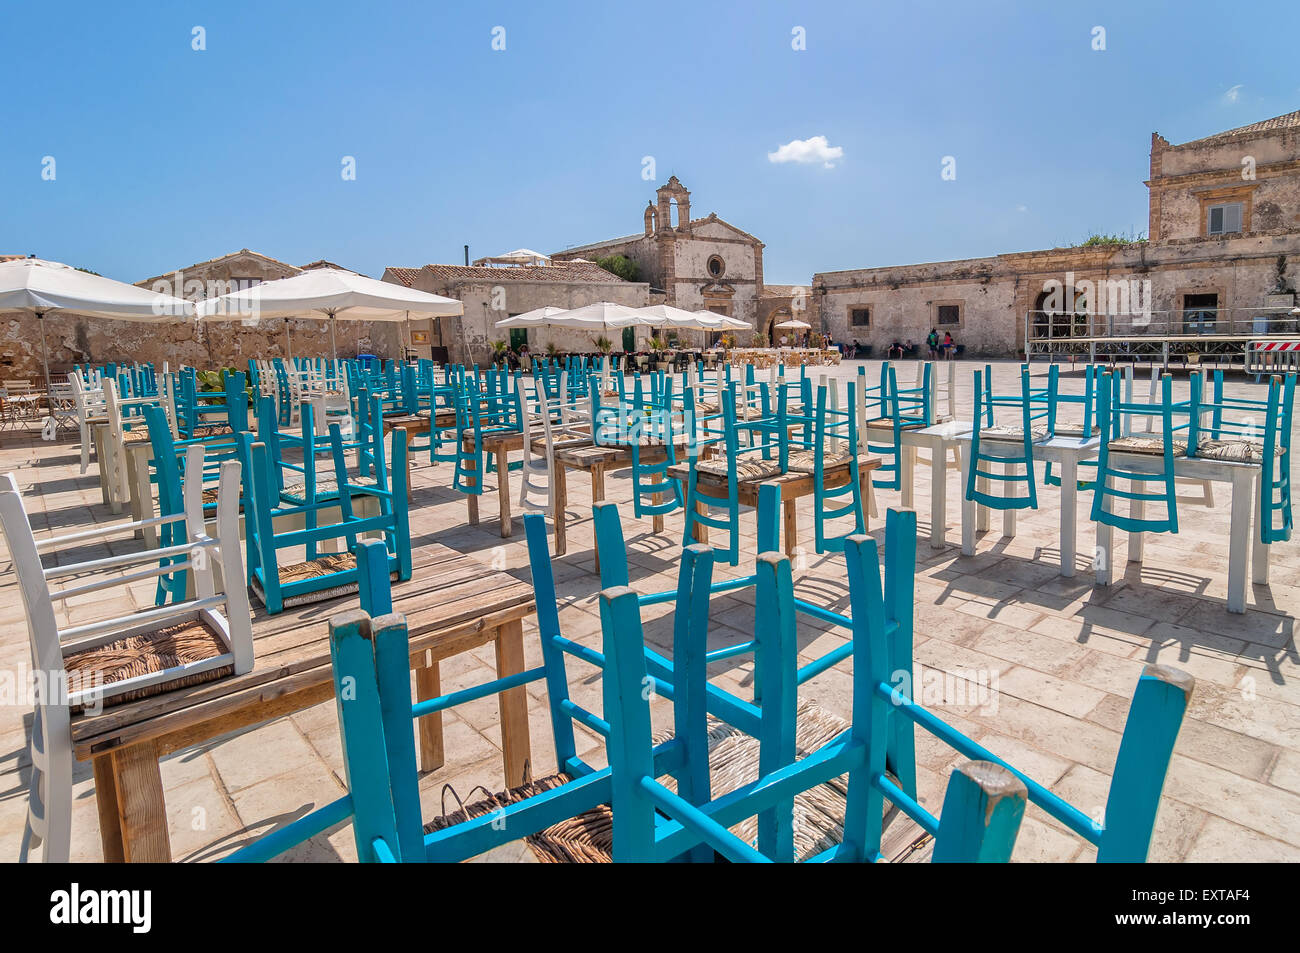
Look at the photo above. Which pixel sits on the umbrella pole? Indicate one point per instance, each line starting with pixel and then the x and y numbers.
pixel 333 345
pixel 288 341
pixel 45 353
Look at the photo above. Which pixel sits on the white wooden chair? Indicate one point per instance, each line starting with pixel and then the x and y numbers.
pixel 121 658
pixel 537 478
pixel 89 404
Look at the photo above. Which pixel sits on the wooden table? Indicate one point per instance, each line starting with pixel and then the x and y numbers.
pixel 596 461
pixel 793 487
pixel 452 604
pixel 1067 452
pixel 499 447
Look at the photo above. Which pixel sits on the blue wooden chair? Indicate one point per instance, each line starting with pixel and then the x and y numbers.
pixel 754 460
pixel 903 409
pixel 1009 444
pixel 320 575
pixel 823 437
pixel 1233 433
pixel 480 414
pixel 1087 428
pixel 1175 418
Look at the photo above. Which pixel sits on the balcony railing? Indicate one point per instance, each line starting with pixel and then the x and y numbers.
pixel 1046 326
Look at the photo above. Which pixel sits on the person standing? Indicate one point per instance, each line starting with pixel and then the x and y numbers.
pixel 932 342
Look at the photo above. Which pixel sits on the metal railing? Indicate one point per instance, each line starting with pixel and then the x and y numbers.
pixel 1049 326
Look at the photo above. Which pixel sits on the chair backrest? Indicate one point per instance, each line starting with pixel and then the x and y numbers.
pixel 199 551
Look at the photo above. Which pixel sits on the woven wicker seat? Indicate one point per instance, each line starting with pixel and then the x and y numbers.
pixel 181 644
pixel 1012 433
pixel 325 490
pixel 733 762
pixel 216 430
pixel 879 423
pixel 746 469
pixel 1236 451
pixel 326 565
pixel 1152 445
pixel 1076 431
pixel 805 461
pixel 135 436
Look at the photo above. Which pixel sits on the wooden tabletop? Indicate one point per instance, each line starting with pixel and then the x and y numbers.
pixel 452 603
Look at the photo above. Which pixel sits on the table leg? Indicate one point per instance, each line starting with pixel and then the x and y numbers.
pixel 657 520
pixel 982 512
pixel 1009 492
pixel 1101 557
pixel 1069 512
pixel 142 497
pixel 700 531
pixel 909 476
pixel 503 492
pixel 969 512
pixel 1238 539
pixel 938 494
pixel 864 496
pixel 791 528
pixel 560 507
pixel 597 496
pixel 1258 550
pixel 471 500
pixel 110 828
pixel 515 746
pixel 1136 511
pixel 137 794
pixel 428 684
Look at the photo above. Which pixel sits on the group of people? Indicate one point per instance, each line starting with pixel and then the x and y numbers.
pixel 945 349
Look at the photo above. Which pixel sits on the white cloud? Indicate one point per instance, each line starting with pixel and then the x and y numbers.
pixel 1233 93
pixel 1022 208
pixel 813 149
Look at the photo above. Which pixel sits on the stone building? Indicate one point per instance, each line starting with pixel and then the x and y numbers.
pixel 76 340
pixel 1223 256
pixel 490 294
pixel 698 264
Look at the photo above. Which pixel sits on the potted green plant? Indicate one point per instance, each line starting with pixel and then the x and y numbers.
pixel 499 349
pixel 657 354
pixel 760 339
pixel 604 345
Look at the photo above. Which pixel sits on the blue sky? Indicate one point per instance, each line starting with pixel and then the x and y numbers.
pixel 165 155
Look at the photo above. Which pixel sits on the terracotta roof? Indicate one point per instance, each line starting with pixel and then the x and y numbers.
pixel 565 271
pixel 406 276
pixel 1289 121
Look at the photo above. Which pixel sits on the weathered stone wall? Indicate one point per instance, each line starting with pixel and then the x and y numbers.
pixel 997 293
pixel 1261 169
pixel 79 340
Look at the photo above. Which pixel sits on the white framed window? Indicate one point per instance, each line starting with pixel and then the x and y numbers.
pixel 1223 219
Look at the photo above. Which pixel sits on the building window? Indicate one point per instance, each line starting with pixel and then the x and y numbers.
pixel 1200 313
pixel 1223 219
pixel 860 317
pixel 947 314
pixel 716 266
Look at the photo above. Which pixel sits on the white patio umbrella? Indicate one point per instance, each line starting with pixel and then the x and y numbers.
pixel 531 319
pixel 605 316
pixel 795 324
pixel 42 287
pixel 330 293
